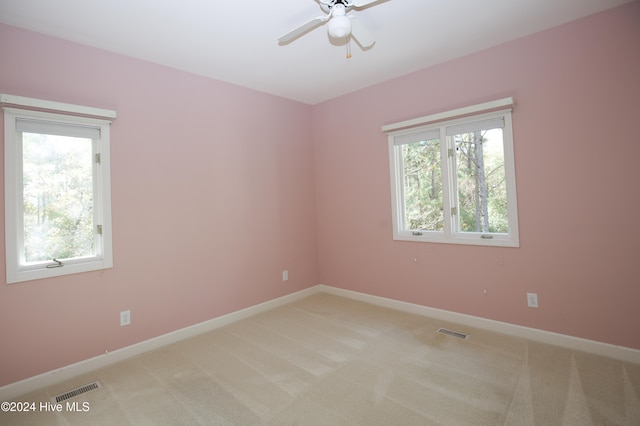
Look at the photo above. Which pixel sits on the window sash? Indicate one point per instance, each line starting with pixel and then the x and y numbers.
pixel 18 122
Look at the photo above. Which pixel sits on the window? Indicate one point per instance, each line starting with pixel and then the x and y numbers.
pixel 57 194
pixel 453 180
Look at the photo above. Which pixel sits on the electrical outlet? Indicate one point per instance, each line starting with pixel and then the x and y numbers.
pixel 285 275
pixel 125 318
pixel 532 300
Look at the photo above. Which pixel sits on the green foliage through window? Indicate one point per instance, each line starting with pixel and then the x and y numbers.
pixel 57 197
pixel 482 192
pixel 423 185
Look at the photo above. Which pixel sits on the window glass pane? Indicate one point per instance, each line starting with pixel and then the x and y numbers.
pixel 481 184
pixel 422 186
pixel 57 197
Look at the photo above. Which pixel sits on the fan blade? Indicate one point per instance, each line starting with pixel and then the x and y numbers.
pixel 302 29
pixel 361 34
pixel 363 3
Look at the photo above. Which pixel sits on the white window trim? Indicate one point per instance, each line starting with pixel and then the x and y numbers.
pixel 398 131
pixel 14 107
pixel 504 103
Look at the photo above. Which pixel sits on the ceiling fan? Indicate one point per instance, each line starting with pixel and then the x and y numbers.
pixel 340 24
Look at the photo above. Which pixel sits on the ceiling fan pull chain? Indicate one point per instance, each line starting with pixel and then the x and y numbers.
pixel 349 48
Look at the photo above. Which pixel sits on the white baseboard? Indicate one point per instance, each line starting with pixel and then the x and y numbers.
pixel 13 390
pixel 619 353
pixel 43 380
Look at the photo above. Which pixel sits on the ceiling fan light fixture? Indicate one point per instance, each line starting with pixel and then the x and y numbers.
pixel 339 26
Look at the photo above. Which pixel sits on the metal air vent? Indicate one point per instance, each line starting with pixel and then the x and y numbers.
pixel 77 391
pixel 453 333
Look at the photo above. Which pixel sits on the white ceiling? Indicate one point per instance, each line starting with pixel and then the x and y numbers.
pixel 236 41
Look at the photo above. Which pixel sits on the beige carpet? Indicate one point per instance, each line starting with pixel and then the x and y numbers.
pixel 327 360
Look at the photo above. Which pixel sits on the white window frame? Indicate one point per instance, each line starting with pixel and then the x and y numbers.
pixel 16 108
pixel 416 129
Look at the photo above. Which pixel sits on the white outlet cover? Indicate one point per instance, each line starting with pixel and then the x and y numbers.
pixel 532 300
pixel 125 318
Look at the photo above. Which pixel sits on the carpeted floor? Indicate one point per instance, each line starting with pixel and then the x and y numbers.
pixel 326 360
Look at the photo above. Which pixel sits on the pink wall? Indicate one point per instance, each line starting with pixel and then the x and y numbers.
pixel 577 150
pixel 212 193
